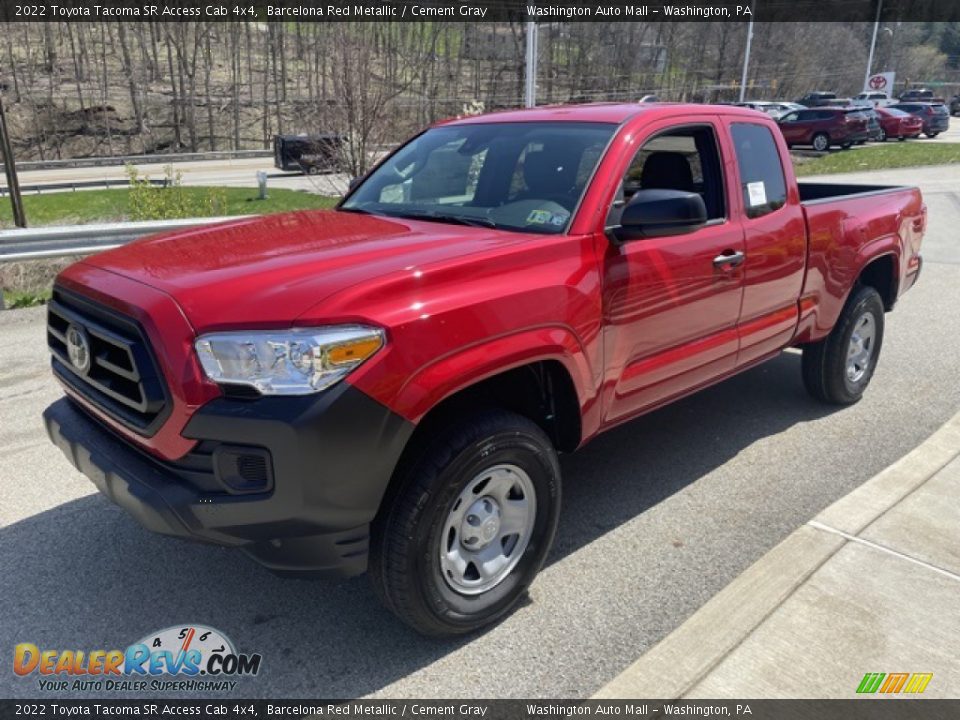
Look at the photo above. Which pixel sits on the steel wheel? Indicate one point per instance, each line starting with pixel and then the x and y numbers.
pixel 860 349
pixel 487 529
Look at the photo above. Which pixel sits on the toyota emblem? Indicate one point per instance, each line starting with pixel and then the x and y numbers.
pixel 78 348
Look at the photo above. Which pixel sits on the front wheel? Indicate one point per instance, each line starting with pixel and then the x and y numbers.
pixel 468 526
pixel 838 368
pixel 821 142
pixel 932 135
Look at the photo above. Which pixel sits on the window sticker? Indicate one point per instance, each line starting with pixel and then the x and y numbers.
pixel 540 217
pixel 757 193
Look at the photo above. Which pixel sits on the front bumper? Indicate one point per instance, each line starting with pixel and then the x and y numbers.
pixel 332 457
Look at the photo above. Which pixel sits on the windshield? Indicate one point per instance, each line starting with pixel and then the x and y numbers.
pixel 517 176
pixel 893 112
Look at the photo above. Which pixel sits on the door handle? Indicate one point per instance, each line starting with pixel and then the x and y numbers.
pixel 729 259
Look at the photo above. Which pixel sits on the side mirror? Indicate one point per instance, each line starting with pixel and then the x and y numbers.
pixel 353 183
pixel 657 213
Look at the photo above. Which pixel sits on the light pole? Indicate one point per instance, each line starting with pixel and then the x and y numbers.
pixel 746 61
pixel 873 45
pixel 530 79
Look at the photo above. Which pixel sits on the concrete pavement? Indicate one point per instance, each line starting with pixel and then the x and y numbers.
pixel 870 585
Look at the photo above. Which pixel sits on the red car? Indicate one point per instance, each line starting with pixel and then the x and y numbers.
pixel 825 126
pixel 386 386
pixel 898 124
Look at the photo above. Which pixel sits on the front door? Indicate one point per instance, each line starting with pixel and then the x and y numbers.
pixel 671 304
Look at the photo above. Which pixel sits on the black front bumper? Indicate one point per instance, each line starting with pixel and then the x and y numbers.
pixel 332 456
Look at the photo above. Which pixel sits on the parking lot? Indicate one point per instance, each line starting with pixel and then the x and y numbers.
pixel 658 516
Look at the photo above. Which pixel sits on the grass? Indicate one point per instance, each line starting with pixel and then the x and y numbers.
pixel 893 154
pixel 88 206
pixel 14 299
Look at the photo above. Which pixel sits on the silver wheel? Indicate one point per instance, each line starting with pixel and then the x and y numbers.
pixel 821 142
pixel 860 349
pixel 487 529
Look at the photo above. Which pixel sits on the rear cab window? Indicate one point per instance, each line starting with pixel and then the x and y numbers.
pixel 761 172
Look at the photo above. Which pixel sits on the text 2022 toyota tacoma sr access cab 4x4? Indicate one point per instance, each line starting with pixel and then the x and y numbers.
pixel 386 386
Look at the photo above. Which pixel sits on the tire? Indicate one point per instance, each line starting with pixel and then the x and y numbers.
pixel 827 373
pixel 846 146
pixel 901 138
pixel 932 135
pixel 426 514
pixel 821 142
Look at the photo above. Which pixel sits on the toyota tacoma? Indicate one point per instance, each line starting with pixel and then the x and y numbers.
pixel 386 386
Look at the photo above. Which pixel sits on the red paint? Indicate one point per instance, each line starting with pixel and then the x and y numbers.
pixel 634 325
pixel 899 126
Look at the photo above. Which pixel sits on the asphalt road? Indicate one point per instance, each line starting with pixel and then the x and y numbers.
pixel 658 516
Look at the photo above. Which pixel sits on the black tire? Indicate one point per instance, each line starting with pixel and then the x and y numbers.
pixel 405 566
pixel 932 135
pixel 824 363
pixel 901 138
pixel 846 146
pixel 821 139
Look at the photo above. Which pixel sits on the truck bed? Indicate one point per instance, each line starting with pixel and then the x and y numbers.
pixel 846 222
pixel 814 192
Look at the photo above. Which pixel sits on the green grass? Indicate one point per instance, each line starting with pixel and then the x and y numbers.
pixel 892 154
pixel 14 299
pixel 87 206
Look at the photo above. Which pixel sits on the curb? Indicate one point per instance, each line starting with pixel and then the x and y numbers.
pixel 685 656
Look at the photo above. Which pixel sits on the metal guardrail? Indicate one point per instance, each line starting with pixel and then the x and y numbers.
pixel 79 185
pixel 62 241
pixel 25 165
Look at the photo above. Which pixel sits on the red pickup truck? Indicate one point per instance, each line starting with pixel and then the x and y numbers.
pixel 386 386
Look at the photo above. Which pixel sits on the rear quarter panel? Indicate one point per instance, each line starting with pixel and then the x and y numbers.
pixel 847 234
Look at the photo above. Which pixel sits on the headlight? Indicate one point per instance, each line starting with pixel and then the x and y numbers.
pixel 287 362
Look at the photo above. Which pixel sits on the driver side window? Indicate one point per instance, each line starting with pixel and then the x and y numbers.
pixel 685 159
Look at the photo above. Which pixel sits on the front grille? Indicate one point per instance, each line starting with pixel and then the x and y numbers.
pixel 116 371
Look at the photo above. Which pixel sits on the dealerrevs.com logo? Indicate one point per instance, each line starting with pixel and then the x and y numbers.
pixel 183 658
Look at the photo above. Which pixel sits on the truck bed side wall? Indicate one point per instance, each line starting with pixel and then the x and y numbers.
pixel 846 235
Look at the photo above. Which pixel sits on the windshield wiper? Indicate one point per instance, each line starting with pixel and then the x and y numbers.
pixel 441 217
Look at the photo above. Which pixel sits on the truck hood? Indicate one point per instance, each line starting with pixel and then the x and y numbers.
pixel 268 271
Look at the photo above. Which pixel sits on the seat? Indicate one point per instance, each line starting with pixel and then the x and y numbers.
pixel 550 175
pixel 667 171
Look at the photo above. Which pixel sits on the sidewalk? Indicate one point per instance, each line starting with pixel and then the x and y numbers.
pixel 871 585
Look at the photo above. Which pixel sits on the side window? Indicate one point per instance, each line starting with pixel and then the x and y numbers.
pixel 761 174
pixel 806 115
pixel 684 159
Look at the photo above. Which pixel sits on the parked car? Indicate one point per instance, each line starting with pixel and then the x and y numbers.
pixel 898 124
pixel 874 128
pixel 823 99
pixel 386 386
pixel 772 108
pixel 955 105
pixel 872 99
pixel 824 127
pixel 935 116
pixel 920 95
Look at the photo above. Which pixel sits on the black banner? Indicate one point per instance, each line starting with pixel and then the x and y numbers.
pixel 480 10
pixel 857 709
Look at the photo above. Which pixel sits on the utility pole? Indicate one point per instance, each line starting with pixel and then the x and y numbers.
pixel 873 45
pixel 746 61
pixel 13 186
pixel 530 84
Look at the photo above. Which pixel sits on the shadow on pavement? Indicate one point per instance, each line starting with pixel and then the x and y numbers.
pixel 85 576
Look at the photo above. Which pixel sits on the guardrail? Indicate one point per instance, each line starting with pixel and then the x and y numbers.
pixel 65 240
pixel 25 165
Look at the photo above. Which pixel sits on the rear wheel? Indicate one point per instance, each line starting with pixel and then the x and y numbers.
pixel 821 142
pixel 932 135
pixel 469 525
pixel 838 368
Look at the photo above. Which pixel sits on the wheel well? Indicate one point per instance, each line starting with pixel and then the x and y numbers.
pixel 880 274
pixel 542 391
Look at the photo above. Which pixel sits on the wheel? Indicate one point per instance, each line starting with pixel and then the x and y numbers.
pixel 901 138
pixel 932 135
pixel 860 142
pixel 468 525
pixel 846 146
pixel 821 142
pixel 313 170
pixel 838 368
